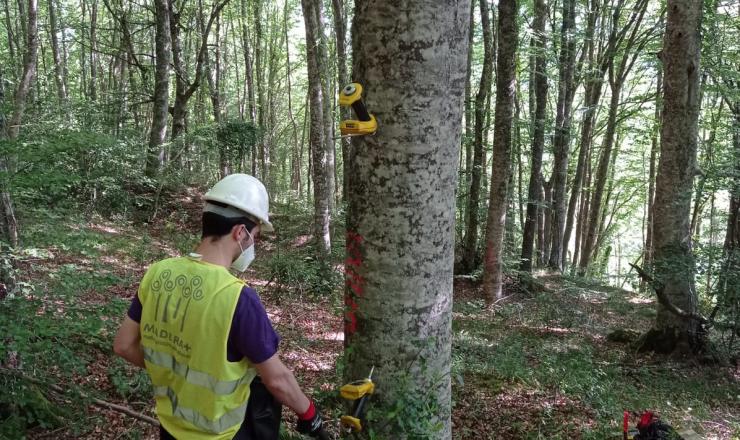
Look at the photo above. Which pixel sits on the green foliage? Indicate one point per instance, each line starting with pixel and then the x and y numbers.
pixel 302 273
pixel 70 169
pixel 237 137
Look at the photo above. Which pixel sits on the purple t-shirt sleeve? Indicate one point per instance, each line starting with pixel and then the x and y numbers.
pixel 251 335
pixel 134 310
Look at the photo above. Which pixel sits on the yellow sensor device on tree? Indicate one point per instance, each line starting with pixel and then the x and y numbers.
pixel 358 392
pixel 365 124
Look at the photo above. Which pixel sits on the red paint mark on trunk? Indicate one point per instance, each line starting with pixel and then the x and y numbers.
pixel 354 282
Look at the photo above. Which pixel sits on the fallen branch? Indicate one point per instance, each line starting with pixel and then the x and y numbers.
pixel 95 401
pixel 663 299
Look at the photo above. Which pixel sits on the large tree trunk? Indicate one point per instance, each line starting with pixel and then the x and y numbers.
pixel 400 222
pixel 538 139
pixel 673 260
pixel 561 142
pixel 59 78
pixel 158 134
pixel 470 255
pixel 321 170
pixel 501 166
pixel 29 69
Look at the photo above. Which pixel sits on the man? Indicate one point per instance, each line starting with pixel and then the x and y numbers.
pixel 204 336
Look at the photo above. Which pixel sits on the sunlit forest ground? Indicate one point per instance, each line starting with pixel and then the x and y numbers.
pixel 537 365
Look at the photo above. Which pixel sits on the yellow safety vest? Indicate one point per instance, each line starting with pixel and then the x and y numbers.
pixel 188 306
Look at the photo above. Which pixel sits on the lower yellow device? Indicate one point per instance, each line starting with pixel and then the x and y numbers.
pixel 365 124
pixel 358 391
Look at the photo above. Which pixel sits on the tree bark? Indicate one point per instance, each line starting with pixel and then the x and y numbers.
pixel 538 138
pixel 673 263
pixel 470 258
pixel 501 164
pixel 29 69
pixel 321 170
pixel 158 134
pixel 400 222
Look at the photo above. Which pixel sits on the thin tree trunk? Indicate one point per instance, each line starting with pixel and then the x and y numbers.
pixel 295 168
pixel 538 139
pixel 93 93
pixel 591 100
pixel 248 72
pixel 561 143
pixel 546 210
pixel 12 38
pixel 595 211
pixel 467 141
pixel 29 70
pixel 9 224
pixel 59 77
pixel 501 164
pixel 321 170
pixel 340 30
pixel 327 114
pixel 470 257
pixel 616 79
pixel 654 145
pixel 400 226
pixel 260 80
pixel 158 134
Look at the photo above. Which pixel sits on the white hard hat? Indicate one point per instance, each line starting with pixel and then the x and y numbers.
pixel 243 192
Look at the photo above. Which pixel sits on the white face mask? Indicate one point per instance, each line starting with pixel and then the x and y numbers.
pixel 245 258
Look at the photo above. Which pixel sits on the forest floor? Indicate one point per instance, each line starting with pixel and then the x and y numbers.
pixel 534 366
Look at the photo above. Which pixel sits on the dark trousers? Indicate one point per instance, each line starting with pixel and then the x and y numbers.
pixel 262 420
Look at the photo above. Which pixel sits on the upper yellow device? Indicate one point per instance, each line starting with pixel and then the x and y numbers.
pixel 365 124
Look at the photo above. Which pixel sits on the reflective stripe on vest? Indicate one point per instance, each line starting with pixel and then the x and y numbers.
pixel 195 377
pixel 229 419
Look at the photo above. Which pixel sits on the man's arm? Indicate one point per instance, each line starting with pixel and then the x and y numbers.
pixel 128 342
pixel 281 383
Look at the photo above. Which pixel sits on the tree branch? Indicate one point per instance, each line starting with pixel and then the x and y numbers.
pixel 663 299
pixel 98 402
